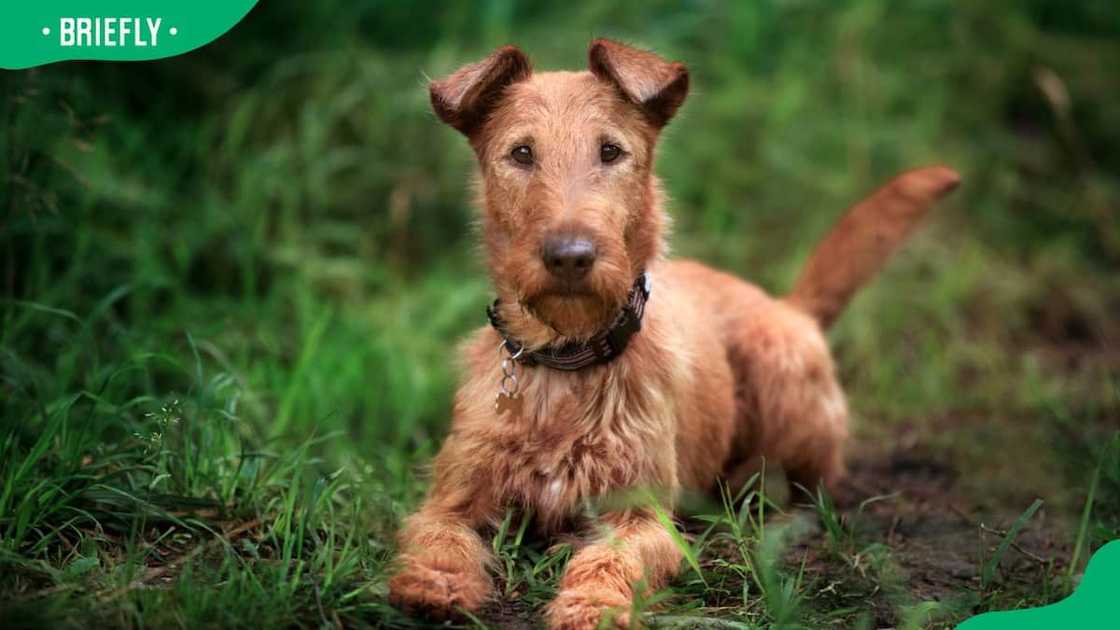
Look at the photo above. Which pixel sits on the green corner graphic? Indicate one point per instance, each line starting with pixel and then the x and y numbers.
pixel 37 33
pixel 1092 605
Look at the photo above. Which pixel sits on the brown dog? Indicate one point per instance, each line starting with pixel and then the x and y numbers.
pixel 597 391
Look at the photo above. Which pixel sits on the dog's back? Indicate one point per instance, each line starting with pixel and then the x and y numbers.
pixel 788 405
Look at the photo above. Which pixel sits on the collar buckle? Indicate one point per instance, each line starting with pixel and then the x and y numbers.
pixel 626 326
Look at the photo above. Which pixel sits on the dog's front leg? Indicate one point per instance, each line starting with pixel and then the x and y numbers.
pixel 443 562
pixel 442 566
pixel 635 551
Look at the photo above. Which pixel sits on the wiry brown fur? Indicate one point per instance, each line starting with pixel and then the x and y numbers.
pixel 720 376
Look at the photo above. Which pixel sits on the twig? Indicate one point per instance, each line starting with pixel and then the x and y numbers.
pixel 968 520
pixel 157 572
pixel 319 603
pixel 53 590
pixel 895 522
pixel 1014 545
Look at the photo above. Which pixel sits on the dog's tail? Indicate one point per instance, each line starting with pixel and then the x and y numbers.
pixel 864 238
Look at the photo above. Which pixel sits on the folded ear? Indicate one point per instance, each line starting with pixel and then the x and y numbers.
pixel 655 85
pixel 463 99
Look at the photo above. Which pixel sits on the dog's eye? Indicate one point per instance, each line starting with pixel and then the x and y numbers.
pixel 522 154
pixel 609 152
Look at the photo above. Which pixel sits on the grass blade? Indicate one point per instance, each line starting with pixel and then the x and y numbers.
pixel 678 539
pixel 989 570
pixel 1083 525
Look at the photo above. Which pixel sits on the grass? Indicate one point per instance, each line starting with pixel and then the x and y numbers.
pixel 231 284
pixel 988 571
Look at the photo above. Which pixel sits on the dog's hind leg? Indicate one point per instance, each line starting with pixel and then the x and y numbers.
pixel 797 411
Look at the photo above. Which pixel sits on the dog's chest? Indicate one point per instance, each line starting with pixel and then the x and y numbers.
pixel 556 476
pixel 576 443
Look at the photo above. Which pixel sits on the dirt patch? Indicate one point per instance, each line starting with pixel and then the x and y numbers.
pixel 917 538
pixel 511 615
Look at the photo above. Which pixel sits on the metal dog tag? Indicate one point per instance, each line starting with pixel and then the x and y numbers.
pixel 506 402
pixel 509 398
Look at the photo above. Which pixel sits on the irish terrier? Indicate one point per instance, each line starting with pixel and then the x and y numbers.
pixel 608 368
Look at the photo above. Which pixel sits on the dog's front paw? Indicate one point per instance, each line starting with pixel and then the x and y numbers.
pixel 586 610
pixel 437 593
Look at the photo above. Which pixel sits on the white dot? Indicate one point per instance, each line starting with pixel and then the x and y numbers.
pixel 46 30
pixel 174 31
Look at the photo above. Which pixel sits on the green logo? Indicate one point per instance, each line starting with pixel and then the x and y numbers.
pixel 37 33
pixel 1092 605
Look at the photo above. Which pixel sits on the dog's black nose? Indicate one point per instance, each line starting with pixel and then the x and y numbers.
pixel 568 257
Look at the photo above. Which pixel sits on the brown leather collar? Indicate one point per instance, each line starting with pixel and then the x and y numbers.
pixel 604 347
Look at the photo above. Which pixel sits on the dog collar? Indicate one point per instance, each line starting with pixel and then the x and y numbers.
pixel 602 348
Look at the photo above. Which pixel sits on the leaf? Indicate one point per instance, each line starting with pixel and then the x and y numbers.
pixel 81 566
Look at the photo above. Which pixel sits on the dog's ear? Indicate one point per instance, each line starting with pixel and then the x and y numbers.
pixel 655 85
pixel 463 99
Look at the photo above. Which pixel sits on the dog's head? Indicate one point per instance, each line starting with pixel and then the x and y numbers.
pixel 571 209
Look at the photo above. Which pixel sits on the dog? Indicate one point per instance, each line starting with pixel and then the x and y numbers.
pixel 608 368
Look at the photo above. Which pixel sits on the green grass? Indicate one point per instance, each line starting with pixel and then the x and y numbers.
pixel 231 285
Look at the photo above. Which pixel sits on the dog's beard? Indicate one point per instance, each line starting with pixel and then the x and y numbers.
pixel 574 315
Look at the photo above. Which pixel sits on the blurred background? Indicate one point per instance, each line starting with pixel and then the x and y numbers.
pixel 265 247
